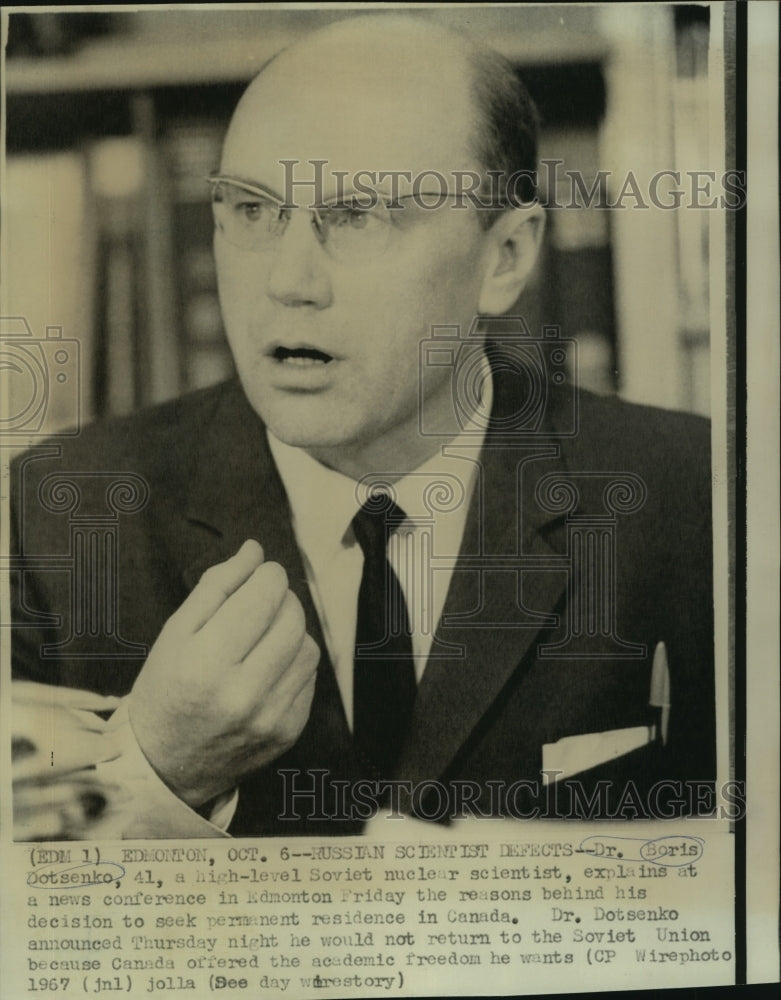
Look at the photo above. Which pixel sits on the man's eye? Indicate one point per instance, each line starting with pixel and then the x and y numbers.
pixel 358 218
pixel 253 210
pixel 349 216
pixel 246 207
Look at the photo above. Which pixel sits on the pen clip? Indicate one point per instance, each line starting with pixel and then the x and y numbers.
pixel 659 696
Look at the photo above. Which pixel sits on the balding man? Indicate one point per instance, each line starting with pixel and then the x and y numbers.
pixel 388 569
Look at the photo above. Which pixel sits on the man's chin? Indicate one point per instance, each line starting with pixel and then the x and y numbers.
pixel 341 451
pixel 309 436
pixel 301 420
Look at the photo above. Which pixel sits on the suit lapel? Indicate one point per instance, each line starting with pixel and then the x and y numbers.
pixel 237 494
pixel 504 520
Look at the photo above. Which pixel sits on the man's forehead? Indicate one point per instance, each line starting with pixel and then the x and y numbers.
pixel 365 111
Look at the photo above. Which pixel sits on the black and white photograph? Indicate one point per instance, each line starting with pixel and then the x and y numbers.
pixel 374 488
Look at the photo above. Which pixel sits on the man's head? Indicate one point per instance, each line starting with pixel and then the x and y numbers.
pixel 327 342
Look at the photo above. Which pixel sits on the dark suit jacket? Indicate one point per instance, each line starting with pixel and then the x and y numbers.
pixel 519 669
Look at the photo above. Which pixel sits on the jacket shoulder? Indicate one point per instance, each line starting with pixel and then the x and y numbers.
pixel 158 435
pixel 642 437
pixel 669 451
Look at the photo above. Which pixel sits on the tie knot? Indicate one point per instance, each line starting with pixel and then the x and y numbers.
pixel 375 522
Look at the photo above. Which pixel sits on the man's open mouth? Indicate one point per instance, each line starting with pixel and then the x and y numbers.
pixel 302 356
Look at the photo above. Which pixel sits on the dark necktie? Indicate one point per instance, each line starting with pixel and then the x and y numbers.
pixel 384 685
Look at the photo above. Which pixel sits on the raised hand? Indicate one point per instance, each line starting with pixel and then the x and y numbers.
pixel 228 685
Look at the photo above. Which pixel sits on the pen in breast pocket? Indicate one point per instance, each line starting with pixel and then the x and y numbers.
pixel 660 689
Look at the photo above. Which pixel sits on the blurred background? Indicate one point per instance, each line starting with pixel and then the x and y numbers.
pixel 113 120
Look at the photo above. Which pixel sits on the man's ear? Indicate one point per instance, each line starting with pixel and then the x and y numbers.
pixel 514 245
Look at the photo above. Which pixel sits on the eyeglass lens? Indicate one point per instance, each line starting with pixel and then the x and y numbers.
pixel 250 221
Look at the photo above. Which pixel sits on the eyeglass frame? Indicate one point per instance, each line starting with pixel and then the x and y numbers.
pixel 369 201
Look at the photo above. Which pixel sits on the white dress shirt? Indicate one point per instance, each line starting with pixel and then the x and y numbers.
pixel 435 498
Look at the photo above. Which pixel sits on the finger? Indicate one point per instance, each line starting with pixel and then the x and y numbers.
pixel 46 825
pixel 242 621
pixel 78 719
pixel 298 707
pixel 63 809
pixel 278 648
pixel 216 586
pixel 33 693
pixel 48 763
pixel 300 676
pixel 58 790
pixel 53 722
pixel 285 711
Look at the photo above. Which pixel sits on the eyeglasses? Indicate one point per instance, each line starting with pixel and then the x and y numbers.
pixel 351 229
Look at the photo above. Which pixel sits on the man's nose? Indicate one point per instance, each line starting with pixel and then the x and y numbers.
pixel 299 273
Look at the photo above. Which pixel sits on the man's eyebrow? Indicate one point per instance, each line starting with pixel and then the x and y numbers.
pixel 227 177
pixel 345 194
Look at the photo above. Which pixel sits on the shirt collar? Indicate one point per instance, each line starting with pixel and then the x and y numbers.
pixel 323 501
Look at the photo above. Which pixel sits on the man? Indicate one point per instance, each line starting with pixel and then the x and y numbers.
pixel 297 678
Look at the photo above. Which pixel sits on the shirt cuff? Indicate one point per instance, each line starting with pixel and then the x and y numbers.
pixel 145 806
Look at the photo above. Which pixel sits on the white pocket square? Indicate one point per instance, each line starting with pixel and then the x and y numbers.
pixel 573 754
